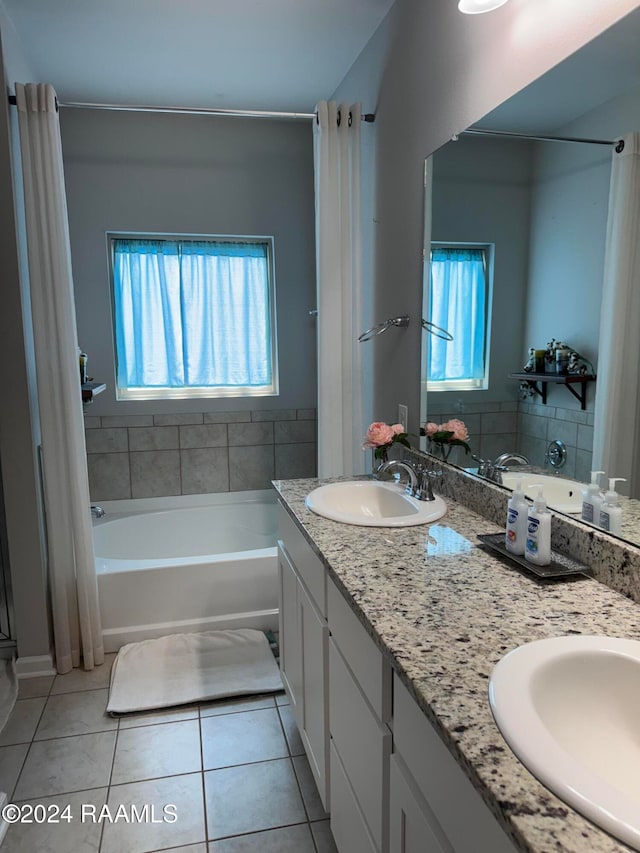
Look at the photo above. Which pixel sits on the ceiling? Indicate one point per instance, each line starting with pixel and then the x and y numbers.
pixel 233 54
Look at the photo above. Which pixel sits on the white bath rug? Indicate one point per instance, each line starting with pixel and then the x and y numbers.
pixel 185 668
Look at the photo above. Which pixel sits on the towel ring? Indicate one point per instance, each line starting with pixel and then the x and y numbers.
pixel 402 322
pixel 436 331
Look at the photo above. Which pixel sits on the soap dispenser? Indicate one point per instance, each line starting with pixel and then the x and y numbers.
pixel 592 499
pixel 516 533
pixel 610 512
pixel 538 544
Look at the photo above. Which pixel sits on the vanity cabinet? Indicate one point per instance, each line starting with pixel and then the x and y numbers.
pixel 304 646
pixel 434 808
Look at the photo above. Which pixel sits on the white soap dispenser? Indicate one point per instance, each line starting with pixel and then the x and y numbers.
pixel 516 533
pixel 610 512
pixel 538 543
pixel 592 499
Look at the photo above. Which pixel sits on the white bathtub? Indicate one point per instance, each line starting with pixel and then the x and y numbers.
pixel 188 563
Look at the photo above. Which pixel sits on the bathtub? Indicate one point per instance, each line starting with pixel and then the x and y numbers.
pixel 186 563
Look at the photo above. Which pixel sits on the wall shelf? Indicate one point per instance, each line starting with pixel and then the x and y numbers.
pixel 90 389
pixel 539 382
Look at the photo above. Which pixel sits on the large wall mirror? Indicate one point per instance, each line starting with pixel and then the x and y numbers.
pixel 536 212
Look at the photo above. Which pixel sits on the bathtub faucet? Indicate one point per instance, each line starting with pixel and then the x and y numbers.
pixel 97 511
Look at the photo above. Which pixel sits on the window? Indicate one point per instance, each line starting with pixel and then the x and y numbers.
pixel 193 317
pixel 459 301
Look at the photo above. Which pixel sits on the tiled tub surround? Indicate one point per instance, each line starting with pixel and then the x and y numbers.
pixel 444 611
pixel 148 456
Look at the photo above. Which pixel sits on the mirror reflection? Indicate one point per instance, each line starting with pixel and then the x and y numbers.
pixel 536 211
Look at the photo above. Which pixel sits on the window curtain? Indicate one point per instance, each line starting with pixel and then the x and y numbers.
pixel 339 289
pixel 72 576
pixel 458 301
pixel 616 442
pixel 192 313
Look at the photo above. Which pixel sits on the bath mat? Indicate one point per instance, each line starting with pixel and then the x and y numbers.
pixel 185 668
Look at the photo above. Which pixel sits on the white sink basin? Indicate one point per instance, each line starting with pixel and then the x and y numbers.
pixel 373 504
pixel 561 494
pixel 569 707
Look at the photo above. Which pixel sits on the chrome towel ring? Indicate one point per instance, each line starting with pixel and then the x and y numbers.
pixel 402 322
pixel 436 331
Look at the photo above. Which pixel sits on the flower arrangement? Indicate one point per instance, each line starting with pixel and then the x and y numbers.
pixel 381 436
pixel 445 436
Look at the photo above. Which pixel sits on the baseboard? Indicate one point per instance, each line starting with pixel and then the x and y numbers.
pixel 35 665
pixel 114 638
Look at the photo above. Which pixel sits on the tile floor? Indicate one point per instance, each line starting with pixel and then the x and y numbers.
pixel 234 771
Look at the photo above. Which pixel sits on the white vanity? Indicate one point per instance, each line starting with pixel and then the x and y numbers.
pixel 387 640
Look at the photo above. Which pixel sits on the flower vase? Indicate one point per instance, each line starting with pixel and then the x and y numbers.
pixel 440 450
pixel 380 456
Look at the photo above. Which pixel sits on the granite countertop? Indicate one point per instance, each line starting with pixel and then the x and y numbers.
pixel 445 611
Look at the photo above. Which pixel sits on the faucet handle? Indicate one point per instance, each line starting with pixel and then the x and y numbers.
pixel 424 490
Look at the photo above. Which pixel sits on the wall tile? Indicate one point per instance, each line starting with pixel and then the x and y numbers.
pixel 584 465
pixel 109 478
pixel 251 467
pixel 493 444
pixel 227 417
pixel 205 435
pixel 251 434
pixel 153 438
pixel 274 415
pixel 585 438
pixel 177 420
pixel 91 423
pixel 532 425
pixel 565 431
pixel 155 473
pixel 107 440
pixel 295 460
pixel 127 420
pixel 306 414
pixel 533 448
pixel 499 422
pixel 204 470
pixel 575 415
pixel 509 406
pixel 293 432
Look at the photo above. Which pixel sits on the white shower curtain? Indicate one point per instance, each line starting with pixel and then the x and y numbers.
pixel 339 289
pixel 616 445
pixel 72 577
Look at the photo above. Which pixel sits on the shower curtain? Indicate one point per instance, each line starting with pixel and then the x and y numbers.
pixel 72 576
pixel 616 441
pixel 339 288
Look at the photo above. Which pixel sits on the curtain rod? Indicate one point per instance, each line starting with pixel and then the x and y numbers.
pixel 619 143
pixel 139 108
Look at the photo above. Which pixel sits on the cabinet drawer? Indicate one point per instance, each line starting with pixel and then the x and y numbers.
pixel 308 566
pixel 347 824
pixel 371 670
pixel 363 744
pixel 441 781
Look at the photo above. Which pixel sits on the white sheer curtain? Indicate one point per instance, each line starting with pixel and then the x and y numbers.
pixel 339 289
pixel 72 577
pixel 616 447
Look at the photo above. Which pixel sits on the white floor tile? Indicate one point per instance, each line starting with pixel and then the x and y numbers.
pixel 74 836
pixel 234 706
pixel 130 721
pixel 291 730
pixel 153 751
pixel 28 688
pixel 82 679
pixel 11 761
pixel 183 792
pixel 288 839
pixel 23 721
pixel 252 797
pixel 310 795
pixel 323 837
pixel 75 714
pixel 240 738
pixel 66 764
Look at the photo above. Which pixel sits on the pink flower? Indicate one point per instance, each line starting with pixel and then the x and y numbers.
pixel 378 434
pixel 431 428
pixel 397 429
pixel 458 429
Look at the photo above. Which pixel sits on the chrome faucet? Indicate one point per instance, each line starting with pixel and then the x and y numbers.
pixel 419 485
pixel 97 511
pixel 506 459
pixel 493 470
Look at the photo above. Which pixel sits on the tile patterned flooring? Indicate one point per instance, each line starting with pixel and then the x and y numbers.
pixel 234 771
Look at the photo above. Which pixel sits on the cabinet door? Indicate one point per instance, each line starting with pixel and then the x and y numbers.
pixel 412 826
pixel 314 726
pixel 290 649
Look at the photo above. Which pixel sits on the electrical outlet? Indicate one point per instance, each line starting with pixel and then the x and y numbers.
pixel 403 415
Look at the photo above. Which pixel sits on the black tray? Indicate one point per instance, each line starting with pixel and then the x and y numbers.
pixel 560 565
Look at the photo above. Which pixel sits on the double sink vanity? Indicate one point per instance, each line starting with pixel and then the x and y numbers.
pixel 389 639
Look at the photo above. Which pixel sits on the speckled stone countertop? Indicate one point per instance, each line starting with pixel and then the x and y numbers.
pixel 445 611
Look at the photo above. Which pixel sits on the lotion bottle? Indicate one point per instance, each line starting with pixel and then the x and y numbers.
pixel 538 543
pixel 610 512
pixel 516 533
pixel 592 500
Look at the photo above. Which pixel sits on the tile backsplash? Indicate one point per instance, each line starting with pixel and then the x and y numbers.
pixel 143 456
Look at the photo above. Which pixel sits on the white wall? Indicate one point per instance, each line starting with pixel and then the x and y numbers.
pixel 434 73
pixel 192 175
